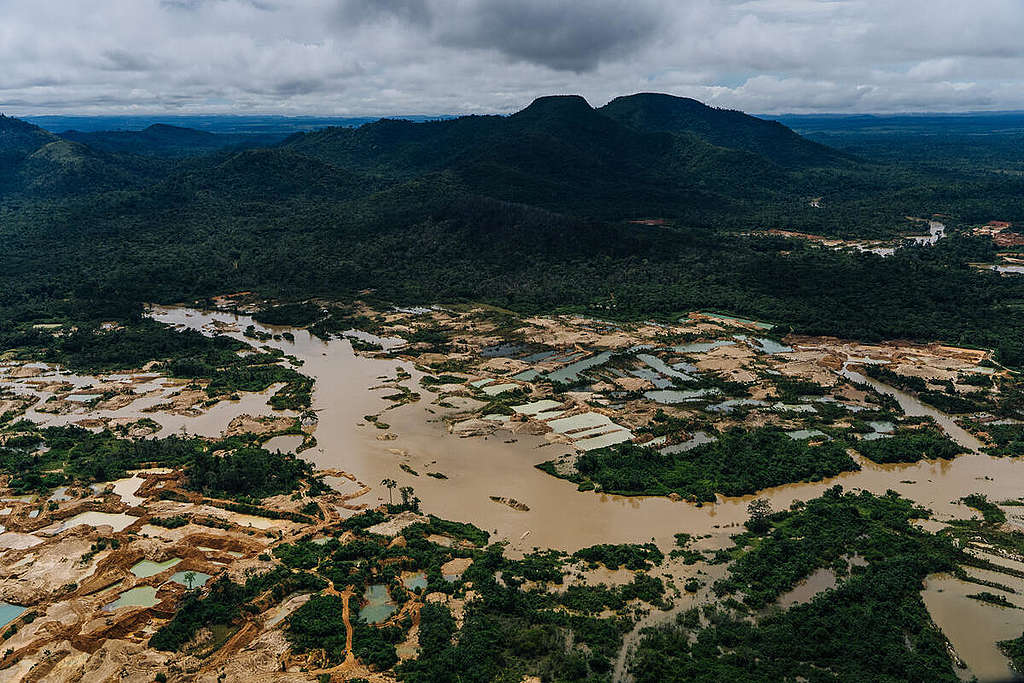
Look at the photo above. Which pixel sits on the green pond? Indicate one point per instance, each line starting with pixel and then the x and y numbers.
pixel 147 568
pixel 800 434
pixel 141 596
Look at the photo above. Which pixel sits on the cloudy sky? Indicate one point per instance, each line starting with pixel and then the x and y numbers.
pixel 376 57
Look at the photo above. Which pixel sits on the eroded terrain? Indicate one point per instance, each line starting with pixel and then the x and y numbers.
pixel 618 458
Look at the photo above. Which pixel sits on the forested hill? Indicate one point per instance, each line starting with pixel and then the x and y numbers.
pixel 563 155
pixel 656 112
pixel 533 211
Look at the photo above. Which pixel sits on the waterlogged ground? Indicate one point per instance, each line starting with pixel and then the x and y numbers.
pixel 465 417
pixel 498 457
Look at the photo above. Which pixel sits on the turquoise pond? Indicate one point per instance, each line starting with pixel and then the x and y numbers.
pixel 378 607
pixel 415 581
pixel 9 613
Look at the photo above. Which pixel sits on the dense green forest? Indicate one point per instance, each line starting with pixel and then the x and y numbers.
pixel 72 454
pixel 529 212
pixel 739 462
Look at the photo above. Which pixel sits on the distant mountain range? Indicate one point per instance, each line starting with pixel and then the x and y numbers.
pixel 636 156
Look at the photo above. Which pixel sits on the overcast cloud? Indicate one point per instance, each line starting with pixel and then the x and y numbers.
pixel 376 57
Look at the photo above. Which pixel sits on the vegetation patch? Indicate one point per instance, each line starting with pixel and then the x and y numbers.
pixel 910 445
pixel 738 463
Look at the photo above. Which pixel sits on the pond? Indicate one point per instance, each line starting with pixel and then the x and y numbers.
pixel 378 607
pixel 880 430
pixel 702 347
pixel 526 375
pixel 9 613
pixel 536 407
pixel 698 439
pixel 537 357
pixel 801 434
pixel 663 368
pixel 117 520
pixel 286 443
pixel 127 488
pixel 674 396
pixel 147 568
pixel 581 421
pixel 820 580
pixel 60 495
pixel 728 406
pixel 770 346
pixel 571 373
pixel 83 398
pixel 141 596
pixel 611 439
pixel 653 377
pixel 506 350
pixel 418 580
pixel 495 389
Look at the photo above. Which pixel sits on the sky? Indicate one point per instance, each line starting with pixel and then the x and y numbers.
pixel 386 57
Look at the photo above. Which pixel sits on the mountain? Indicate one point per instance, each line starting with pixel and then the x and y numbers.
pixel 37 163
pixel 18 139
pixel 654 112
pixel 168 141
pixel 638 156
pixel 561 154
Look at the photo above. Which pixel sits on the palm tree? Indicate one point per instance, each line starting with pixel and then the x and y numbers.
pixel 190 578
pixel 390 485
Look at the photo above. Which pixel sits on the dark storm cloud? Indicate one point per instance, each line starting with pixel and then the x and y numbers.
pixel 568 36
pixel 364 57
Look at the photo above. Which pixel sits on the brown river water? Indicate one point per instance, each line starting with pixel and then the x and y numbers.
pixel 563 518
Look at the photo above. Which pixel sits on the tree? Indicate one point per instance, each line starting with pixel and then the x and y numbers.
pixel 759 510
pixel 390 485
pixel 409 501
pixel 190 579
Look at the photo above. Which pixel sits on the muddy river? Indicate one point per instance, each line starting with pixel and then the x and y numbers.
pixel 349 386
